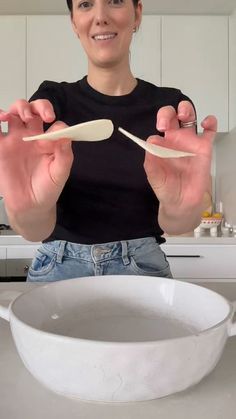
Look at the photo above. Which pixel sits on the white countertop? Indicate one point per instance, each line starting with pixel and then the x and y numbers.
pixel 14 239
pixel 22 397
pixel 204 239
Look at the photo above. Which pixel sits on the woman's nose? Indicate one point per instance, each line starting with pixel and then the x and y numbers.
pixel 101 15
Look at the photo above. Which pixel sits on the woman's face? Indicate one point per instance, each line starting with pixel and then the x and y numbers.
pixel 105 28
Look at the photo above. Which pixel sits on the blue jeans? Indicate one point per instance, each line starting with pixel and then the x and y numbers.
pixel 58 260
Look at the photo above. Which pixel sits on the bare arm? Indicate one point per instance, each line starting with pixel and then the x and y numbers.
pixel 180 184
pixel 32 174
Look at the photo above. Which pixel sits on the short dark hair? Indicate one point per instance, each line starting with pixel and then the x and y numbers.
pixel 69 4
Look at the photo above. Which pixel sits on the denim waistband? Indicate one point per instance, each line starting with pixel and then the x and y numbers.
pixel 98 252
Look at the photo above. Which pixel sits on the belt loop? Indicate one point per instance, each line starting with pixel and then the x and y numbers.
pixel 125 256
pixel 61 251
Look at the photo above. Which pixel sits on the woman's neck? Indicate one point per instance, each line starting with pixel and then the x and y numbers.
pixel 111 82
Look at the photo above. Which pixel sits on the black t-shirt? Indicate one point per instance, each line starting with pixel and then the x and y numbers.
pixel 107 196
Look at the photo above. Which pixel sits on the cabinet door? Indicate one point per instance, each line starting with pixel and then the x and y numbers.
pixel 13 59
pixel 2 262
pixel 53 50
pixel 145 54
pixel 211 262
pixel 195 59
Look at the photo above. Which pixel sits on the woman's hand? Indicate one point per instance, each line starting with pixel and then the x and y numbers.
pixel 32 174
pixel 180 183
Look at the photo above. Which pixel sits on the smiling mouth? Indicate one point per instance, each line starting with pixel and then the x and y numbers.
pixel 104 37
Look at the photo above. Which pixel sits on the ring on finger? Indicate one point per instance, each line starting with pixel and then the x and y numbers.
pixel 189 124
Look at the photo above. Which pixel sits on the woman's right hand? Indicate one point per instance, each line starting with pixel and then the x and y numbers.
pixel 32 174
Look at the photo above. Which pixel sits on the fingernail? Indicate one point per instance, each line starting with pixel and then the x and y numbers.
pixel 163 124
pixel 27 114
pixel 183 113
pixel 48 115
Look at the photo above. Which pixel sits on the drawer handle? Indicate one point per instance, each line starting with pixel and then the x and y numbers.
pixel 184 256
pixel 26 268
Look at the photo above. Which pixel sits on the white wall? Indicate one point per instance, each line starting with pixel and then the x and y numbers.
pixel 212 7
pixel 226 143
pixel 232 71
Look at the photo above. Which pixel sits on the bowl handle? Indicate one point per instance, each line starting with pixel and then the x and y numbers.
pixel 232 326
pixel 6 299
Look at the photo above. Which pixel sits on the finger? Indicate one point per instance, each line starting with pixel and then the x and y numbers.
pixel 209 125
pixel 4 115
pixel 27 111
pixel 14 123
pixel 48 145
pixel 167 119
pixel 186 111
pixel 22 109
pixel 56 126
pixel 44 108
pixel 61 164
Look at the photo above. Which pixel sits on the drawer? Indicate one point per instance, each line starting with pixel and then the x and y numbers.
pixel 3 254
pixel 2 268
pixel 21 252
pixel 17 267
pixel 202 261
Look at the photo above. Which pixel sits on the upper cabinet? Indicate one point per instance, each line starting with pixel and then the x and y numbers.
pixel 13 60
pixel 145 54
pixel 195 59
pixel 187 52
pixel 53 51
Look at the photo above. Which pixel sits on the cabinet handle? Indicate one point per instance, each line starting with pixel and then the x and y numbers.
pixel 184 256
pixel 26 268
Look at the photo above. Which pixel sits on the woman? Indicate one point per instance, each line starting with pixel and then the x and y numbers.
pixel 101 208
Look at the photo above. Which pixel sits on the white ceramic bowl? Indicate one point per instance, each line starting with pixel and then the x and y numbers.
pixel 120 338
pixel 210 222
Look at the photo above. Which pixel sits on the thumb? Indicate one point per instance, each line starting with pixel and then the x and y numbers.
pixel 62 161
pixel 209 125
pixel 56 126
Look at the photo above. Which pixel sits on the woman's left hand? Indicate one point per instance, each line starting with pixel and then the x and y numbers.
pixel 180 183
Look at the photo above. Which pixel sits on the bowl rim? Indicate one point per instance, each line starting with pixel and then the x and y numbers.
pixel 13 316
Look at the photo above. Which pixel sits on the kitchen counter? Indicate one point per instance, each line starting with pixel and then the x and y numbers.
pixel 14 239
pixel 203 239
pixel 9 237
pixel 23 397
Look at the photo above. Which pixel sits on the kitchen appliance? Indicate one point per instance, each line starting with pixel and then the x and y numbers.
pixel 119 338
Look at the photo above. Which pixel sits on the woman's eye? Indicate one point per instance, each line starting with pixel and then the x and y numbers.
pixel 117 2
pixel 84 4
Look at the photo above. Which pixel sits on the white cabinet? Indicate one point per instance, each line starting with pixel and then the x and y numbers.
pixel 21 252
pixel 188 52
pixel 18 259
pixel 195 58
pixel 53 51
pixel 202 261
pixel 13 59
pixel 145 54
